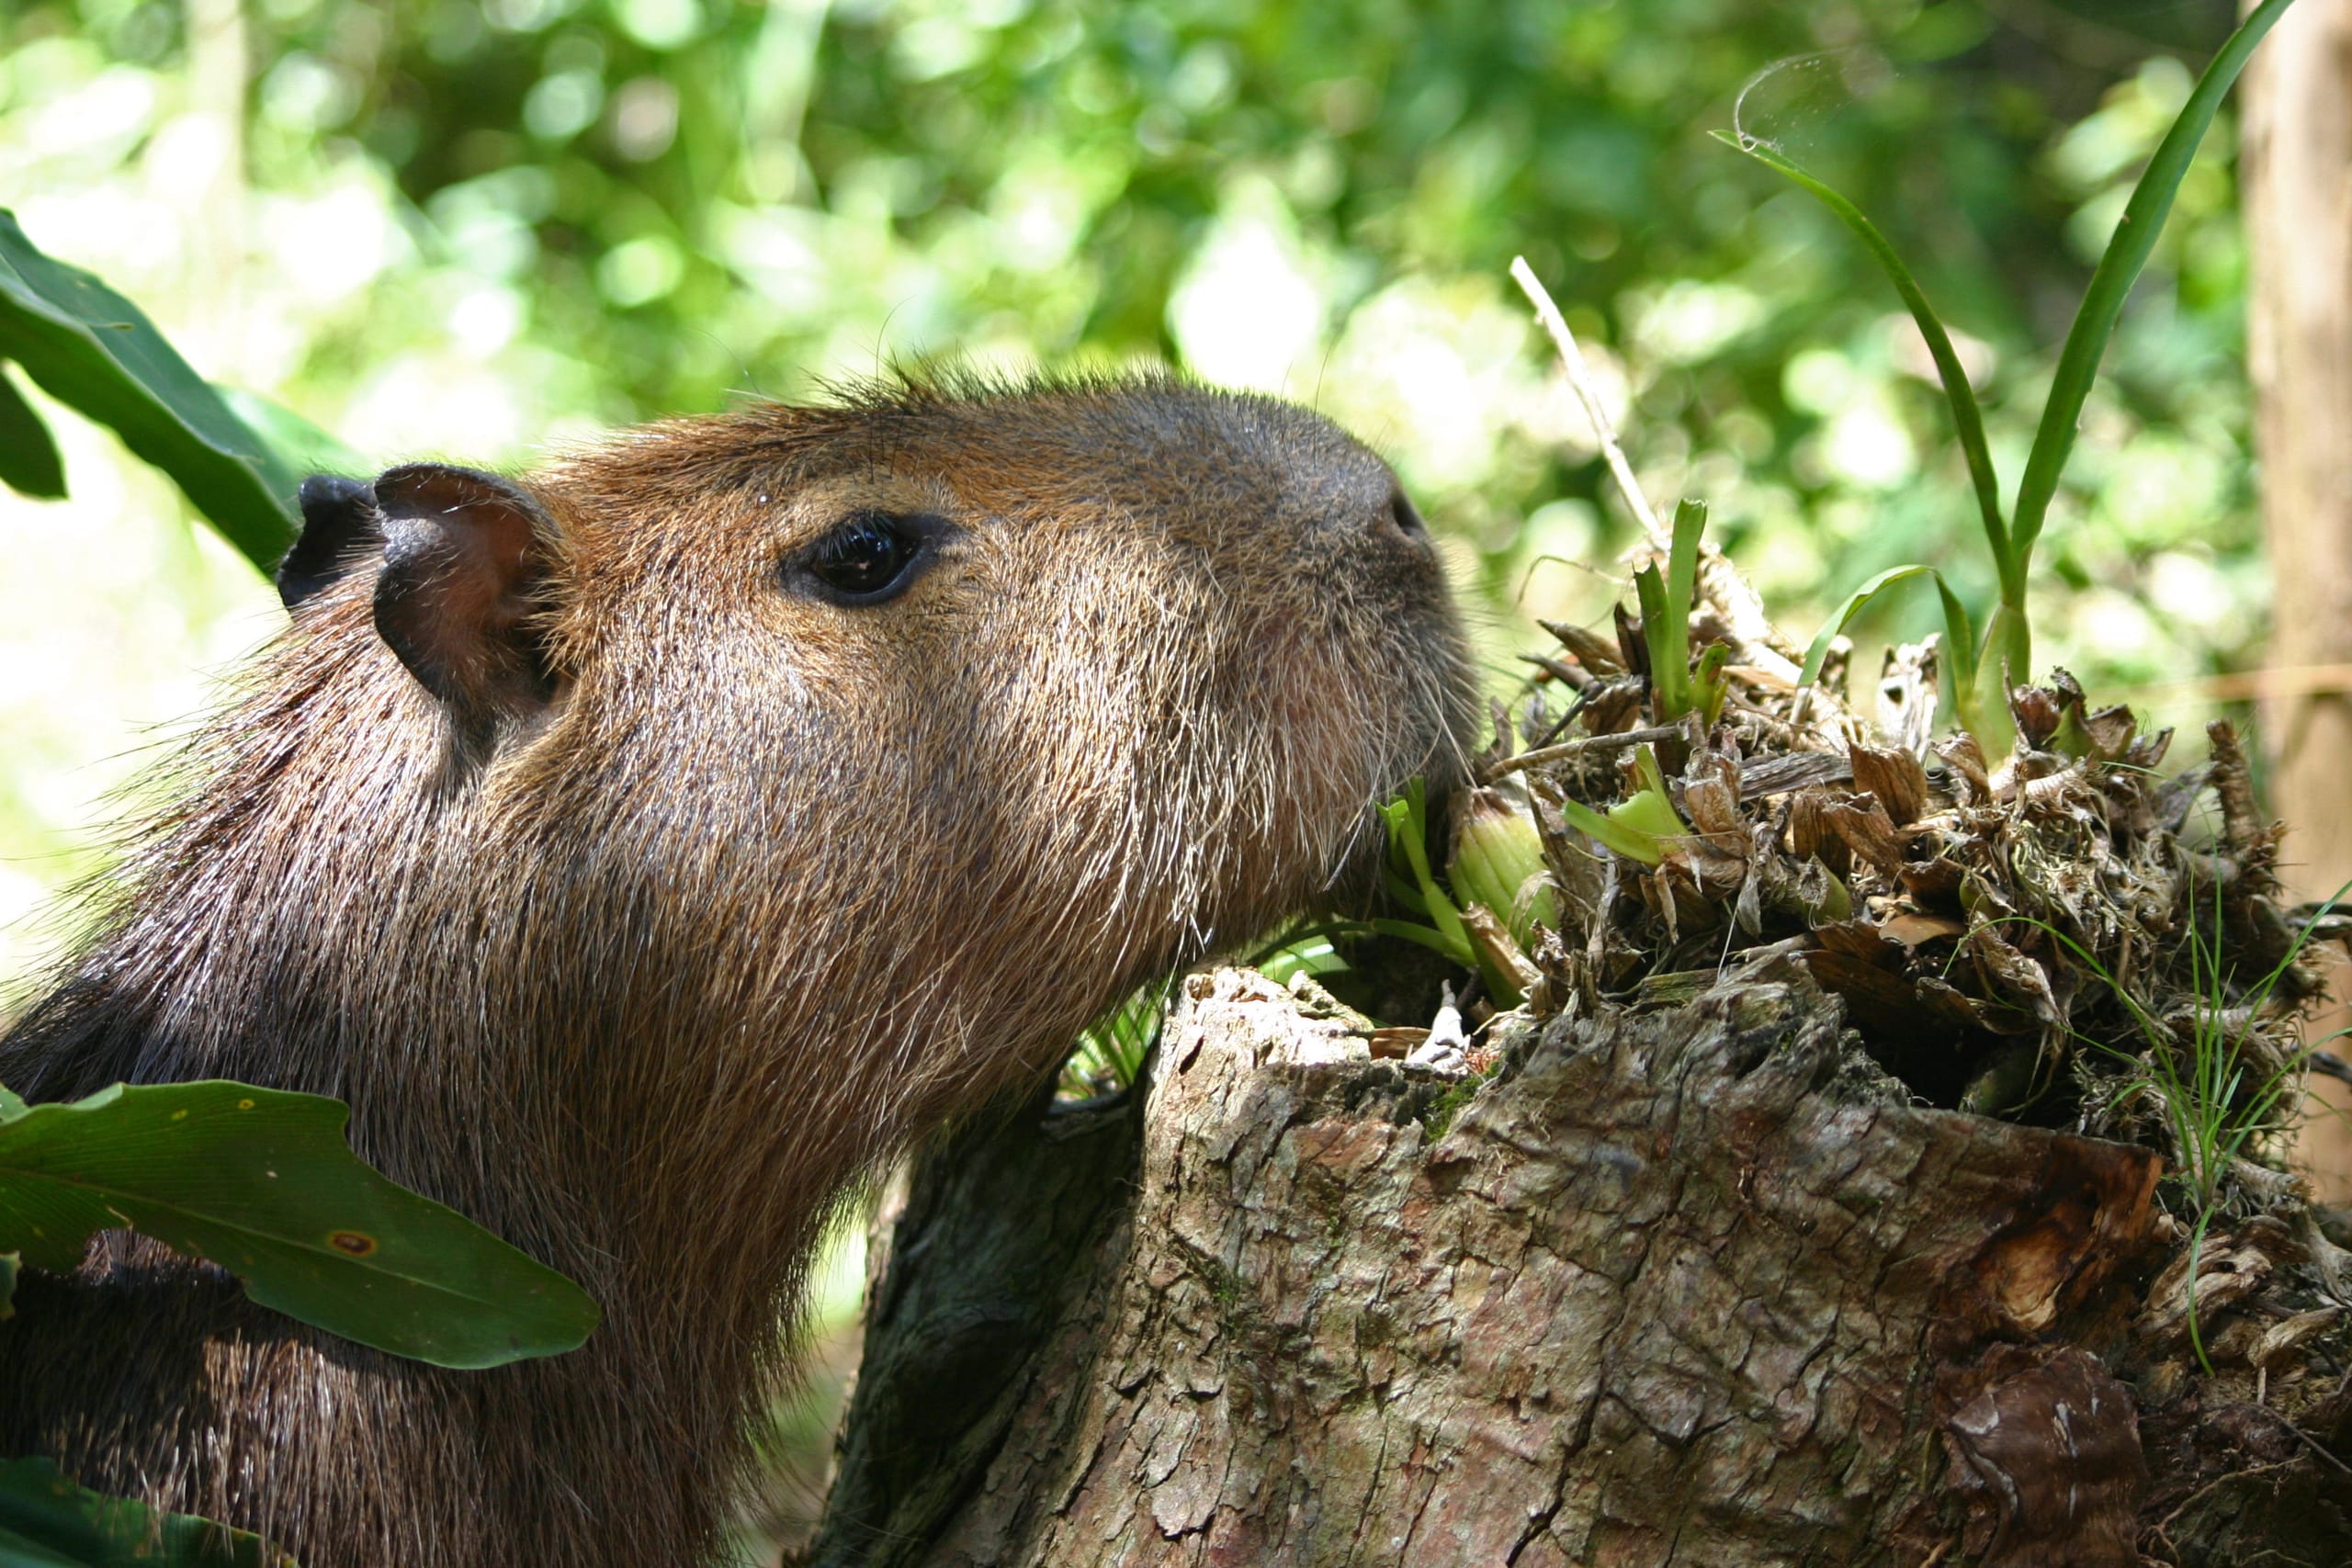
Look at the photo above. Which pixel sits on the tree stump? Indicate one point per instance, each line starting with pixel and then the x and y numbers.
pixel 1696 1286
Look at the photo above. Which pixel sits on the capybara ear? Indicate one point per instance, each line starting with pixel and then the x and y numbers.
pixel 338 527
pixel 463 553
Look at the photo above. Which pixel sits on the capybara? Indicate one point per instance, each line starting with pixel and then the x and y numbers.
pixel 646 847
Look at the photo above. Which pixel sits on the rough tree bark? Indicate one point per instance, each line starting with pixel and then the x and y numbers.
pixel 2297 169
pixel 1697 1286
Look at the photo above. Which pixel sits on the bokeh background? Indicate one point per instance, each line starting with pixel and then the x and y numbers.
pixel 479 230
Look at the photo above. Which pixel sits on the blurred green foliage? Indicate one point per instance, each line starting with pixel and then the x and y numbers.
pixel 539 217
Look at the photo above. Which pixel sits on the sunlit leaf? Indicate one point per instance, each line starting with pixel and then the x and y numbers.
pixel 92 350
pixel 1631 842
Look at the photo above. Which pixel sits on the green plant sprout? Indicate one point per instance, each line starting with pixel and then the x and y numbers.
pixel 1638 826
pixel 1411 883
pixel 1409 880
pixel 1666 600
pixel 1983 665
pixel 1498 862
pixel 2211 1111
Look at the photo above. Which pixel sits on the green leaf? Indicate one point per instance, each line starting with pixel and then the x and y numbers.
pixel 46 1520
pixel 1666 613
pixel 262 1183
pixel 294 442
pixel 10 1106
pixel 90 348
pixel 1429 937
pixel 1980 703
pixel 29 462
pixel 9 1266
pixel 1708 687
pixel 1819 651
pixel 1682 564
pixel 1627 841
pixel 1651 813
pixel 1669 652
pixel 2119 269
pixel 2002 656
pixel 1960 637
pixel 1407 837
pixel 1968 421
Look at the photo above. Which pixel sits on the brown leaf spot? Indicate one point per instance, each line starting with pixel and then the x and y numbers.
pixel 355 1244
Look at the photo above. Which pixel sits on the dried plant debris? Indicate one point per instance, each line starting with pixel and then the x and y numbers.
pixel 2063 936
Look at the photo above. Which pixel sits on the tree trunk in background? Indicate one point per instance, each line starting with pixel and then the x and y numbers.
pixel 2297 174
pixel 1695 1287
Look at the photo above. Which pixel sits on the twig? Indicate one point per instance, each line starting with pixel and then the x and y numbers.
pixel 1580 379
pixel 2308 1441
pixel 1616 742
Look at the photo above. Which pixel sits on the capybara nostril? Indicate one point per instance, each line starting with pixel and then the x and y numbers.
pixel 1407 519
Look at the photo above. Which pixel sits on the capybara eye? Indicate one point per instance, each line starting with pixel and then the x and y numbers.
pixel 866 559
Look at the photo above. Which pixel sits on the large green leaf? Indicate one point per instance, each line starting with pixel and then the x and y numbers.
pixel 90 348
pixel 261 1182
pixel 46 1521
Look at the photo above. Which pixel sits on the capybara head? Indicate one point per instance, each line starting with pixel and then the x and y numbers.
pixel 646 846
pixel 938 718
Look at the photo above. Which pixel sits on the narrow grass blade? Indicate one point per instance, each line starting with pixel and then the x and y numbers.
pixel 1966 418
pixel 1819 651
pixel 1960 637
pixel 2119 269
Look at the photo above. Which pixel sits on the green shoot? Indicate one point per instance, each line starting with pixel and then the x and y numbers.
pixel 1491 869
pixel 1666 604
pixel 1639 827
pixel 1981 670
pixel 1310 952
pixel 1498 863
pixel 1708 687
pixel 1407 820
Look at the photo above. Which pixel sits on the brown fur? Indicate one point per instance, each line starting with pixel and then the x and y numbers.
pixel 641 976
